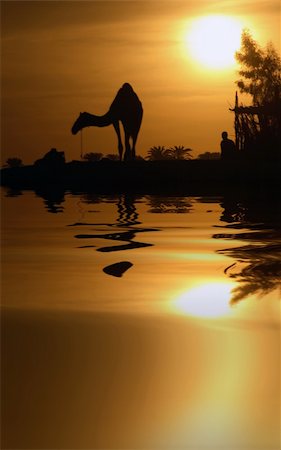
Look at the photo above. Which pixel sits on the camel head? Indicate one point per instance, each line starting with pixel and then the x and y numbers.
pixel 81 122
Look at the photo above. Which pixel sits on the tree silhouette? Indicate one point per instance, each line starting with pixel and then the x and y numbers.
pixel 179 152
pixel 261 70
pixel 158 153
pixel 258 126
pixel 14 162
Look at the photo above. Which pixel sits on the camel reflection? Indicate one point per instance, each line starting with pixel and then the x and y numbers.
pixel 126 236
pixel 257 270
pixel 127 211
pixel 127 216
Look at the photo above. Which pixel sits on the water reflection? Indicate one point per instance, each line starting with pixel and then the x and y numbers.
pixel 169 205
pixel 117 269
pixel 257 270
pixel 127 236
pixel 127 216
pixel 208 300
pixel 258 267
pixel 53 198
pixel 13 192
pixel 148 379
pixel 127 211
pixel 252 218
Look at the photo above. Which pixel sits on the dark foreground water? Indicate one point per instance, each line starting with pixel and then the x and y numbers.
pixel 140 322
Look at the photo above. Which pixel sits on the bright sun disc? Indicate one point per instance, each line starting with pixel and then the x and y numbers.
pixel 213 41
pixel 209 300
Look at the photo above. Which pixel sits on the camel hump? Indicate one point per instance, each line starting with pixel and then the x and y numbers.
pixel 126 91
pixel 125 98
pixel 127 87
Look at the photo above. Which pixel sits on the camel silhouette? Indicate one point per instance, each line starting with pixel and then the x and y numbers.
pixel 126 108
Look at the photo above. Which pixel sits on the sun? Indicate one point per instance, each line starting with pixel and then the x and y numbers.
pixel 210 300
pixel 213 40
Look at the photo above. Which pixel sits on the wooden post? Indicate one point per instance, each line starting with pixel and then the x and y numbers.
pixel 236 124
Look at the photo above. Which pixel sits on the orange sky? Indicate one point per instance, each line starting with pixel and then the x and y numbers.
pixel 60 58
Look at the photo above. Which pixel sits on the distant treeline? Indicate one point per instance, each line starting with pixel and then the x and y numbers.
pixel 156 153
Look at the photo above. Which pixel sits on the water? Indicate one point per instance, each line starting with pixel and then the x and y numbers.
pixel 140 321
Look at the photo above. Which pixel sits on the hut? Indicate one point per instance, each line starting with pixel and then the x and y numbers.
pixel 258 129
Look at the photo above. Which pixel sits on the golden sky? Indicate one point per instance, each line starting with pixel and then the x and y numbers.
pixel 63 57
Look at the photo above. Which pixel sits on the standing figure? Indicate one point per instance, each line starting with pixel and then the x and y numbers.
pixel 228 148
pixel 126 108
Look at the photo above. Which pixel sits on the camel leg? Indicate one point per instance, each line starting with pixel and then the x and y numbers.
pixel 134 147
pixel 128 154
pixel 134 138
pixel 120 145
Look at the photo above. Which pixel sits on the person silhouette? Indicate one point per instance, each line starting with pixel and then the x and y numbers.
pixel 228 148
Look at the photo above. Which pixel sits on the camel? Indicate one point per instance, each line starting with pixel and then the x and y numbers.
pixel 126 108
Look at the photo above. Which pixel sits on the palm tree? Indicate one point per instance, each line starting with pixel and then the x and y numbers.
pixel 158 153
pixel 179 152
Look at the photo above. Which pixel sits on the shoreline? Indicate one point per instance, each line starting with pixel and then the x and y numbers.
pixel 105 176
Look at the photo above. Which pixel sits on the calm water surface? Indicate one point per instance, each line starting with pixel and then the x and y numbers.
pixel 140 321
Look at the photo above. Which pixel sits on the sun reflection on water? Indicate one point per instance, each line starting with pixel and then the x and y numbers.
pixel 209 300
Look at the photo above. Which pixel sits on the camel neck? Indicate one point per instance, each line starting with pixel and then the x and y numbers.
pixel 99 121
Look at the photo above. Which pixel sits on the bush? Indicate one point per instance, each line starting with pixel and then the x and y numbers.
pixel 92 157
pixel 14 162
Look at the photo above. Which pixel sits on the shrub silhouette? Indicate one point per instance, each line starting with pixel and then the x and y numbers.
pixel 113 157
pixel 92 157
pixel 14 162
pixel 209 155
